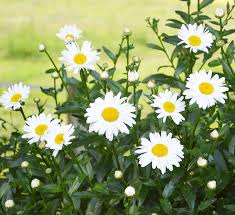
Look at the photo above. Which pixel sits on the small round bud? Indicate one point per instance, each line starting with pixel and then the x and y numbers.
pixel 104 75
pixel 219 13
pixel 211 185
pixel 42 47
pixel 127 32
pixel 136 59
pixel 165 86
pixel 191 173
pixel 35 183
pixel 220 43
pixel 133 76
pixel 36 99
pixel 154 214
pixel 24 164
pixel 140 107
pixel 151 84
pixel 231 96
pixel 118 174
pixel 214 134
pixel 201 162
pixel 48 170
pixel 129 191
pixel 9 203
pixel 55 75
pixel 105 65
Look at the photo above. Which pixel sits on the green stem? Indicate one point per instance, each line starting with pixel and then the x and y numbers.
pixel 115 155
pixel 198 8
pixel 127 63
pixel 134 91
pixel 188 4
pixel 55 97
pixel 84 82
pixel 227 60
pixel 213 147
pixel 22 113
pixel 63 185
pixel 58 72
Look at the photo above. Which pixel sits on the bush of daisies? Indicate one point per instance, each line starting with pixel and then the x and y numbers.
pixel 121 145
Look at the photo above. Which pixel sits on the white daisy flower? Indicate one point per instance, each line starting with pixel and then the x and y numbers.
pixel 37 127
pixel 205 89
pixel 69 33
pixel 110 115
pixel 14 96
pixel 76 58
pixel 161 150
pixel 195 37
pixel 167 104
pixel 58 136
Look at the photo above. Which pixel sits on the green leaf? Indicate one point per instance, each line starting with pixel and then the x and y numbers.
pixel 230 207
pixel 189 195
pixel 205 204
pixel 154 46
pixel 219 161
pixel 170 187
pixel 166 206
pixel 50 71
pixel 205 3
pixel 214 63
pixel 84 195
pixel 51 188
pixel 109 53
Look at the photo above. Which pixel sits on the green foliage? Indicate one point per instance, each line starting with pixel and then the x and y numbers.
pixel 82 181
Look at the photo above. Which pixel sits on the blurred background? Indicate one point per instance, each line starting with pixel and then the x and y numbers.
pixel 26 23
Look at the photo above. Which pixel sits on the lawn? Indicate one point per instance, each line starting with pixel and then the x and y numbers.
pixel 26 23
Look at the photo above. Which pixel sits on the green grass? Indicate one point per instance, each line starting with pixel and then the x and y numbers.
pixel 26 23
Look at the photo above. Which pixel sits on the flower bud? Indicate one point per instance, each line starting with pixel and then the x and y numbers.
pixel 136 59
pixel 129 191
pixel 118 174
pixel 48 170
pixel 201 162
pixel 42 47
pixel 9 203
pixel 151 84
pixel 35 183
pixel 36 99
pixel 220 43
pixel 133 76
pixel 231 96
pixel 55 75
pixel 219 13
pixel 154 214
pixel 24 164
pixel 105 65
pixel 140 107
pixel 211 185
pixel 214 134
pixel 104 75
pixel 127 32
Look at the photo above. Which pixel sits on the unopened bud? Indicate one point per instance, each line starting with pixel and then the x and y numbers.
pixel 219 13
pixel 201 162
pixel 104 75
pixel 129 191
pixel 211 185
pixel 48 170
pixel 9 203
pixel 42 47
pixel 24 164
pixel 214 134
pixel 136 59
pixel 118 174
pixel 127 32
pixel 36 99
pixel 151 84
pixel 220 43
pixel 140 107
pixel 133 76
pixel 55 75
pixel 35 183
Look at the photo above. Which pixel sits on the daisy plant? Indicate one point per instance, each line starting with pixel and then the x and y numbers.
pixel 114 141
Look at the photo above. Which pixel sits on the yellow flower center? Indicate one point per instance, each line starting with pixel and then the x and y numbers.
pixel 80 58
pixel 194 40
pixel 40 129
pixel 169 107
pixel 110 114
pixel 160 150
pixel 59 138
pixel 69 36
pixel 16 97
pixel 206 88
